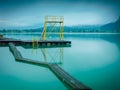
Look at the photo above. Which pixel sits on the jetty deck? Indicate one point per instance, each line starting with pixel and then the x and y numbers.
pixel 39 43
pixel 69 81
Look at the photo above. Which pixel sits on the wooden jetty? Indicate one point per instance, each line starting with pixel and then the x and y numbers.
pixel 18 57
pixel 67 79
pixel 63 76
pixel 40 43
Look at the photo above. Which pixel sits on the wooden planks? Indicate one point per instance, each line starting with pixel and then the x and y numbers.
pixel 29 43
pixel 18 57
pixel 70 81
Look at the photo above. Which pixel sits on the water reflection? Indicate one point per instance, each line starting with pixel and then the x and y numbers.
pixel 92 54
pixel 50 55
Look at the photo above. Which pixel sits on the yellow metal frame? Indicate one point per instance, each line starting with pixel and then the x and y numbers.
pixel 54 57
pixel 53 21
pixel 58 54
pixel 34 44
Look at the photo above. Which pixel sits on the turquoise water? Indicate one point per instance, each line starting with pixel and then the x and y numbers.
pixel 93 59
pixel 19 76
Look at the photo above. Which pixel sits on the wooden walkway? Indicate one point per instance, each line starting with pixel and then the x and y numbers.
pixel 69 81
pixel 29 43
pixel 18 56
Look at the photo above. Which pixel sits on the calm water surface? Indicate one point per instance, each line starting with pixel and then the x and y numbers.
pixel 93 59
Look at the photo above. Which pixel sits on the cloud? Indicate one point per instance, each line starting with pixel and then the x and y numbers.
pixel 26 14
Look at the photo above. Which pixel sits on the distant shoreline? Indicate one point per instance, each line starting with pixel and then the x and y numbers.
pixel 55 33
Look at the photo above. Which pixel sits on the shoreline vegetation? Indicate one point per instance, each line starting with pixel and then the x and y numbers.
pixel 3 33
pixel 70 30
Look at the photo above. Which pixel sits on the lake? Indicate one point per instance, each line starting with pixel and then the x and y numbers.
pixel 93 59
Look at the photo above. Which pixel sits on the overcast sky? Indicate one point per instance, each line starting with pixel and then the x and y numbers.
pixel 19 14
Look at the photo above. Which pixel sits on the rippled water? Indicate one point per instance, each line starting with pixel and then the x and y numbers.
pixel 93 59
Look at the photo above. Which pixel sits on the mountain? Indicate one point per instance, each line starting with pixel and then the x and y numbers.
pixel 112 27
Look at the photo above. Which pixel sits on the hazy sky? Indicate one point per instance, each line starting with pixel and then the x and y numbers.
pixel 30 13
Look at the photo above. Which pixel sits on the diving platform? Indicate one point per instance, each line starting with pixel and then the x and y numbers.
pixel 69 81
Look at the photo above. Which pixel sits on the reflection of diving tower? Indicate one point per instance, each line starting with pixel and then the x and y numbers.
pixel 53 24
pixel 55 57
